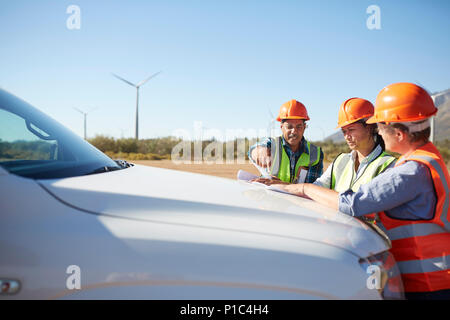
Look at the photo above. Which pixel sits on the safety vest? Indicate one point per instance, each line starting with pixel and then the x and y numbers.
pixel 281 165
pixel 343 174
pixel 422 247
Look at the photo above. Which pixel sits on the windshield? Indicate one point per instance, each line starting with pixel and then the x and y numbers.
pixel 35 146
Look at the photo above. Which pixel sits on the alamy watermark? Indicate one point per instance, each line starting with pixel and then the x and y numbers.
pixel 374 20
pixel 73 281
pixel 73 22
pixel 193 150
pixel 374 279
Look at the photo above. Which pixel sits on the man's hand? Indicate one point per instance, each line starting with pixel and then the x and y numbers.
pixel 261 155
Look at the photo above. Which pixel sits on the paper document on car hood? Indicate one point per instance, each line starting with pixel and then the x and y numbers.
pixel 248 177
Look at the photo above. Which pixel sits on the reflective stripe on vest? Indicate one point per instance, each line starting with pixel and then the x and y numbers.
pixel 422 247
pixel 281 166
pixel 425 265
pixel 440 172
pixel 343 173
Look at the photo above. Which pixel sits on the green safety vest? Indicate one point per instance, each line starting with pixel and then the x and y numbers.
pixel 343 176
pixel 281 166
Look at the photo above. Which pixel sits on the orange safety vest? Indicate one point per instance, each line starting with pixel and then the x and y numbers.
pixel 422 247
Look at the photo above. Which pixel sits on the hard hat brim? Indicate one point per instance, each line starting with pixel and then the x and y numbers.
pixel 372 120
pixel 346 123
pixel 293 118
pixel 376 119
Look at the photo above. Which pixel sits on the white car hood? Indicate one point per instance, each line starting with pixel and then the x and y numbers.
pixel 182 198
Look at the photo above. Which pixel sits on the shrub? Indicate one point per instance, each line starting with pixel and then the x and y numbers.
pixel 161 148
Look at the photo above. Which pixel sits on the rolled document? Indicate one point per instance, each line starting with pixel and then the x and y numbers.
pixel 263 171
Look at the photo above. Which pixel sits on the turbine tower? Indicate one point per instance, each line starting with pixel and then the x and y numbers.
pixel 137 86
pixel 271 125
pixel 85 117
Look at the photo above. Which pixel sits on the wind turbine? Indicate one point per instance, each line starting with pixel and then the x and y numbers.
pixel 85 116
pixel 137 86
pixel 323 133
pixel 271 124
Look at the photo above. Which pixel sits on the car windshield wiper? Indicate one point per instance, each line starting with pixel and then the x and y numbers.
pixel 104 169
pixel 123 163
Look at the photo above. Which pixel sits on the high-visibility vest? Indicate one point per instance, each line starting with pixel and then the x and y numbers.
pixel 422 247
pixel 343 175
pixel 281 165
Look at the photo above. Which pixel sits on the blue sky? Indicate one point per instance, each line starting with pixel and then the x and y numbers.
pixel 224 63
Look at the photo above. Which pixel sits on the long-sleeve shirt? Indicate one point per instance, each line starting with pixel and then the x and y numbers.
pixel 403 192
pixel 313 173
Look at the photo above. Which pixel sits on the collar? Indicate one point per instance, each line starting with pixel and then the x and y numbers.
pixel 404 158
pixel 371 156
pixel 303 148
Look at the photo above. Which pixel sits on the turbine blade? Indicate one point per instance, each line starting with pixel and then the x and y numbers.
pixel 79 110
pixel 144 81
pixel 271 115
pixel 126 81
pixel 92 109
pixel 426 89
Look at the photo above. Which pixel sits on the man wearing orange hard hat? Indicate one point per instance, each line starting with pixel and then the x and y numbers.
pixel 412 199
pixel 289 158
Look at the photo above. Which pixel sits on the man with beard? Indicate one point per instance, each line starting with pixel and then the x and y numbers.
pixel 289 158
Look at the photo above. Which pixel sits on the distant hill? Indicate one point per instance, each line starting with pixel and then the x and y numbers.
pixel 442 120
pixel 336 137
pixel 442 102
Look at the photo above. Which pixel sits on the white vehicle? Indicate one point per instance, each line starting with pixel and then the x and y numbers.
pixel 77 225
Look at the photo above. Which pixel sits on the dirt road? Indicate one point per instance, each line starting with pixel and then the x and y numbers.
pixel 219 170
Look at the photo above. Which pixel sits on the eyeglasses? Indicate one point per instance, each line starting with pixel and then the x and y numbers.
pixel 297 127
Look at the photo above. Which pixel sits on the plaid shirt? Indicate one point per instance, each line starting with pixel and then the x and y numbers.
pixel 314 172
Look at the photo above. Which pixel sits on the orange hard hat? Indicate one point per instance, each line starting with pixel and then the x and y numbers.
pixel 292 110
pixel 403 102
pixel 352 110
